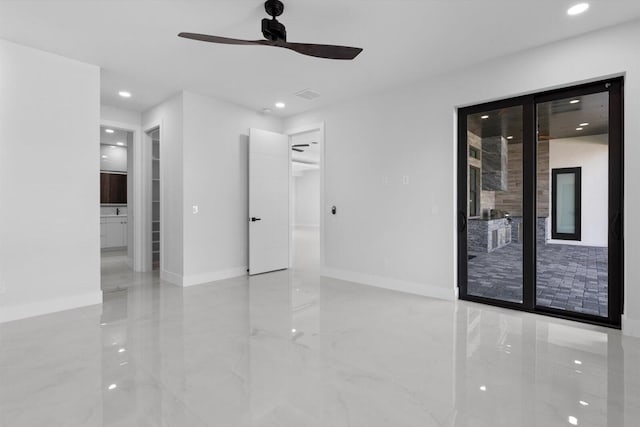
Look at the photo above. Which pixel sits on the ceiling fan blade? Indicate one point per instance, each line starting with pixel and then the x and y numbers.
pixel 321 50
pixel 300 145
pixel 222 40
pixel 298 150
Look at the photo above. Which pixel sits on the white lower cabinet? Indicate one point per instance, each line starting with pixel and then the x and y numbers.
pixel 113 232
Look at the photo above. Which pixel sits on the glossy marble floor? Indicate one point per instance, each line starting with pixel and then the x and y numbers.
pixel 291 349
pixel 115 273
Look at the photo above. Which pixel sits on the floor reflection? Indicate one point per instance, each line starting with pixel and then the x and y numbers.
pixel 294 349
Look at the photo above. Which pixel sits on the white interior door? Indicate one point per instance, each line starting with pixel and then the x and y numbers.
pixel 268 201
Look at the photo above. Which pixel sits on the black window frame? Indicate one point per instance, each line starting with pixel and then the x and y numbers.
pixel 577 234
pixel 475 200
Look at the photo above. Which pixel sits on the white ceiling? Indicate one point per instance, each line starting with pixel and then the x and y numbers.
pixel 135 42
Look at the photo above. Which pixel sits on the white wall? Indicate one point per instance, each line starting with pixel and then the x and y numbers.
pixel 118 115
pixel 169 116
pixel 591 153
pixel 307 198
pixel 403 236
pixel 216 180
pixel 49 157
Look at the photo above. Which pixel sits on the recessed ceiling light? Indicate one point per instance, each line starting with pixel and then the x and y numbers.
pixel 510 137
pixel 577 362
pixel 579 128
pixel 574 101
pixel 122 350
pixel 484 117
pixel 104 157
pixel 124 94
pixel 112 386
pixel 120 143
pixel 584 124
pixel 280 104
pixel 109 130
pixel 578 9
pixel 583 403
pixel 483 388
pixel 573 421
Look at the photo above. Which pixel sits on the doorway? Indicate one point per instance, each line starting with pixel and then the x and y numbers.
pixel 115 190
pixel 305 204
pixel 540 198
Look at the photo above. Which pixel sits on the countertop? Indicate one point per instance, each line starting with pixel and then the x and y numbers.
pixel 486 219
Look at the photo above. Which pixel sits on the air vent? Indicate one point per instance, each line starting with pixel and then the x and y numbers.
pixel 308 94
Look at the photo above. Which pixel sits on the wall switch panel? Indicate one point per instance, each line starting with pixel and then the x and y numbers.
pixel 195 209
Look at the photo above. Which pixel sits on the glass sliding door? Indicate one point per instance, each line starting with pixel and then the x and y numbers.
pixel 493 208
pixel 540 198
pixel 572 247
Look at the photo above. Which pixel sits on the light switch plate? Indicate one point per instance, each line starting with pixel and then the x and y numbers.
pixel 195 209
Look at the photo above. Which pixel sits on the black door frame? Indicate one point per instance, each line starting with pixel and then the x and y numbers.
pixel 616 199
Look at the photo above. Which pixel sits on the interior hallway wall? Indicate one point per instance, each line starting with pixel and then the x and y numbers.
pixel 49 157
pixel 307 199
pixel 391 163
pixel 216 156
pixel 120 115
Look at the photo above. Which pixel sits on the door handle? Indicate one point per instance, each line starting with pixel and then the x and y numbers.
pixel 254 219
pixel 616 226
pixel 462 223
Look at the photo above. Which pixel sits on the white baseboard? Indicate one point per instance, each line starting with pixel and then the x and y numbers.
pixel 173 278
pixel 54 305
pixel 198 279
pixel 393 284
pixel 307 225
pixel 630 327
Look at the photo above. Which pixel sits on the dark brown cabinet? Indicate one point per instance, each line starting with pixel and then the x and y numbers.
pixel 113 188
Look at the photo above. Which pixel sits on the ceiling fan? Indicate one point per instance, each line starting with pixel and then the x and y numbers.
pixel 276 35
pixel 296 147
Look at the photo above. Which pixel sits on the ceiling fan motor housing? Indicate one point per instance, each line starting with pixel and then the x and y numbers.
pixel 273 30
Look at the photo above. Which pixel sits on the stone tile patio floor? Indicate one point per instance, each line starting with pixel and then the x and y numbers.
pixel 572 278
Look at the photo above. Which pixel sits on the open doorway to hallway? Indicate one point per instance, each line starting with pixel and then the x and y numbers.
pixel 115 190
pixel 306 212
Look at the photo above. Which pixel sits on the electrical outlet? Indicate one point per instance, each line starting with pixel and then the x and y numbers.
pixel 405 179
